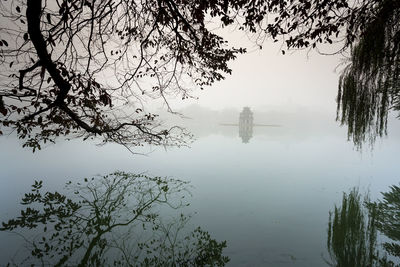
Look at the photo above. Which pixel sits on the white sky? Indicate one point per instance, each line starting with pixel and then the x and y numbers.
pixel 267 79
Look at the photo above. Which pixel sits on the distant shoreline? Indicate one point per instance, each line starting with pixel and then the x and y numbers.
pixel 255 124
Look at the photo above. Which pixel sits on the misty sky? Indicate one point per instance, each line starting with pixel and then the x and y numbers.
pixel 266 78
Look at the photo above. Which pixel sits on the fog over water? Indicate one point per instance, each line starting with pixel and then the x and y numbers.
pixel 268 198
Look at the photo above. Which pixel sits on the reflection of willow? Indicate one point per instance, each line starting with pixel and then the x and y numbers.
pixel 351 235
pixel 113 220
pixel 353 228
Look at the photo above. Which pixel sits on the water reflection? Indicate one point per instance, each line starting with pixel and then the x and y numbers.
pixel 359 226
pixel 388 219
pixel 246 124
pixel 112 220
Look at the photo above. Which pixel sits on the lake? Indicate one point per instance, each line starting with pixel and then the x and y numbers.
pixel 268 198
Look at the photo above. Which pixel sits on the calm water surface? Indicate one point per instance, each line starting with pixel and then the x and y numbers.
pixel 268 198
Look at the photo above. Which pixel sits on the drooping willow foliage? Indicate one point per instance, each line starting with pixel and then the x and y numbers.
pixel 369 86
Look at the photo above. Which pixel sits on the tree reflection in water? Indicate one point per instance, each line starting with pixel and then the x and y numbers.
pixel 355 228
pixel 388 219
pixel 112 220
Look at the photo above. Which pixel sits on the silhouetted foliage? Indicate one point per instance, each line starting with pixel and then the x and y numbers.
pixel 369 85
pixel 112 220
pixel 89 68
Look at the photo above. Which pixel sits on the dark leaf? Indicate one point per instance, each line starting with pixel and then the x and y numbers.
pixel 3 110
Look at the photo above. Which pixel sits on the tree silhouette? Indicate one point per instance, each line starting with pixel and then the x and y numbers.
pixel 86 67
pixel 369 86
pixel 90 68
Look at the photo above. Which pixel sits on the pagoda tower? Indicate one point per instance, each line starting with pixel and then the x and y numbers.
pixel 246 124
